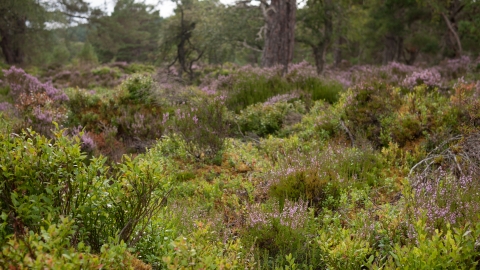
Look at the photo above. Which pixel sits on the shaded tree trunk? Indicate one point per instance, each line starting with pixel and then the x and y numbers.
pixel 279 32
pixel 337 54
pixel 320 49
pixel 319 54
pixel 392 50
pixel 10 42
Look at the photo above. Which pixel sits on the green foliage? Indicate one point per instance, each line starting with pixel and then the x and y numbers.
pixel 43 181
pixel 203 126
pixel 52 248
pixel 265 119
pixel 201 250
pixel 455 248
pixel 139 68
pixel 129 34
pixel 104 70
pixel 341 250
pixel 87 55
pixel 139 87
pixel 247 87
pixel 321 180
pixel 366 105
pixel 421 112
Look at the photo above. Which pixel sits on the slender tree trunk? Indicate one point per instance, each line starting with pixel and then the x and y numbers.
pixel 338 51
pixel 279 32
pixel 319 54
pixel 320 49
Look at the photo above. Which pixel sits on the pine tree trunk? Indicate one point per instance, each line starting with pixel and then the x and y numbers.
pixel 279 33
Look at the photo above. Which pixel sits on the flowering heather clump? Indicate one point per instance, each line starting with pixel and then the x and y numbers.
pixel 455 68
pixel 430 77
pixel 22 82
pixel 40 103
pixel 293 214
pixel 5 107
pixel 399 68
pixel 444 198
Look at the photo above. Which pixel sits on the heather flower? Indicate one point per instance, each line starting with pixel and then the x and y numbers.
pixel 88 144
pixel 293 214
pixel 444 198
pixel 429 77
pixel 5 106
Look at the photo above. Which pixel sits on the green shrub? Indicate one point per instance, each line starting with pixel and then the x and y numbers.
pixel 455 248
pixel 201 250
pixel 249 86
pixel 43 179
pixel 320 177
pixel 107 71
pixel 365 106
pixel 139 68
pixel 139 87
pixel 265 119
pixel 52 248
pixel 421 112
pixel 203 126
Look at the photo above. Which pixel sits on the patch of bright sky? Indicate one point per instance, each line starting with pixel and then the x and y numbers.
pixel 166 7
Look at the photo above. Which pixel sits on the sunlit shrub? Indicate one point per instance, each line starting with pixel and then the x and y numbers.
pixel 201 250
pixel 451 248
pixel 51 248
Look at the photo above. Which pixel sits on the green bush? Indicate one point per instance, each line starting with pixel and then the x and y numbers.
pixel 365 106
pixel 201 250
pixel 248 87
pixel 43 179
pixel 52 248
pixel 320 177
pixel 265 119
pixel 455 248
pixel 203 126
pixel 139 68
pixel 139 87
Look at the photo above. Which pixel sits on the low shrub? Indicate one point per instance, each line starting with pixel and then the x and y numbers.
pixel 269 118
pixel 320 177
pixel 201 250
pixel 451 248
pixel 202 125
pixel 139 87
pixel 51 248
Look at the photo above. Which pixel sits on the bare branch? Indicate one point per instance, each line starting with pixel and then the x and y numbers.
pixel 454 33
pixel 250 47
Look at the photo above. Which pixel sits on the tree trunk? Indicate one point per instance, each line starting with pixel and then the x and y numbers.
pixel 319 54
pixel 320 49
pixel 11 44
pixel 388 50
pixel 337 54
pixel 279 32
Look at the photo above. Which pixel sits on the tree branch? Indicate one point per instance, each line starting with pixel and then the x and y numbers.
pixel 455 35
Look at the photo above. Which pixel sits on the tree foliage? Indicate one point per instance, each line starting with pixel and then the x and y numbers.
pixel 129 34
